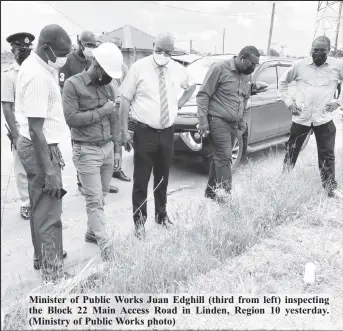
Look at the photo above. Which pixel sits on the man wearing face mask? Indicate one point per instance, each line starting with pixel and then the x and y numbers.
pixel 151 88
pixel 21 48
pixel 89 109
pixel 316 78
pixel 39 106
pixel 78 61
pixel 222 111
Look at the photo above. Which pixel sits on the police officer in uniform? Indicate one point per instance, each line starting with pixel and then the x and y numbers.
pixel 78 61
pixel 21 48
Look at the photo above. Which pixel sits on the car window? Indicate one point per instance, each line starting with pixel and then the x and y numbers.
pixel 269 76
pixel 199 68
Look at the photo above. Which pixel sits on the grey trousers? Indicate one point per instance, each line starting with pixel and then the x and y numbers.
pixel 95 167
pixel 45 221
pixel 222 136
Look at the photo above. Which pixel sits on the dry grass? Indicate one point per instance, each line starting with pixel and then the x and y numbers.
pixel 206 235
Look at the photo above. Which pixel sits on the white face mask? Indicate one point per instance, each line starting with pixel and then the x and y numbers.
pixel 160 59
pixel 88 52
pixel 60 62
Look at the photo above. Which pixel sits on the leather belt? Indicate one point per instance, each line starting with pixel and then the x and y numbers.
pixel 149 127
pixel 91 143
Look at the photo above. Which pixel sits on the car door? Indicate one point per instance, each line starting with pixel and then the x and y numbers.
pixel 265 110
pixel 286 116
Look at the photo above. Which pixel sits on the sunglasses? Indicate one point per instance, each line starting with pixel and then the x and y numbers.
pixel 254 65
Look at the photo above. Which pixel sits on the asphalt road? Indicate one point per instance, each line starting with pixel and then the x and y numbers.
pixel 16 253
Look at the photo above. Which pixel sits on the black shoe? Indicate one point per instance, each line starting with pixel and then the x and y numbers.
pixel 37 264
pixel 25 212
pixel 90 238
pixel 120 175
pixel 164 221
pixel 113 189
pixel 140 228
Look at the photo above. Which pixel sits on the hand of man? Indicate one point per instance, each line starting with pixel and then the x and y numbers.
pixel 332 106
pixel 117 160
pixel 126 141
pixel 294 109
pixel 53 185
pixel 242 126
pixel 109 107
pixel 203 129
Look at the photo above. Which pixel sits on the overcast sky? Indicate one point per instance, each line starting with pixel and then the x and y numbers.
pixel 245 22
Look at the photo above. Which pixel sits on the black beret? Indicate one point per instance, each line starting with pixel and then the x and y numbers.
pixel 23 39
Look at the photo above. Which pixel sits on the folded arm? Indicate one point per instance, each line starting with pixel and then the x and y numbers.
pixel 74 116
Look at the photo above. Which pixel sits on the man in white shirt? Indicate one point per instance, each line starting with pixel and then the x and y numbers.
pixel 41 119
pixel 151 88
pixel 21 48
pixel 316 82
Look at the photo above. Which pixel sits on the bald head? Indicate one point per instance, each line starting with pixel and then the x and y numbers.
pixel 54 36
pixel 87 37
pixel 165 42
pixel 322 42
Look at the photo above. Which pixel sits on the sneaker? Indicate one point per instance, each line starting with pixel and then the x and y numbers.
pixel 336 194
pixel 164 221
pixel 25 212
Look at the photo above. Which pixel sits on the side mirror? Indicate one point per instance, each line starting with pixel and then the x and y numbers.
pixel 258 87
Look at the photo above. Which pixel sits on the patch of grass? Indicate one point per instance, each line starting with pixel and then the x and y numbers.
pixel 206 234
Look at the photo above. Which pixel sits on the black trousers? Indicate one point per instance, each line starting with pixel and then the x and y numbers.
pixel 222 136
pixel 325 136
pixel 153 150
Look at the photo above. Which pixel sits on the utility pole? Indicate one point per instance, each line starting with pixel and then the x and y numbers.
pixel 223 40
pixel 190 46
pixel 271 29
pixel 338 23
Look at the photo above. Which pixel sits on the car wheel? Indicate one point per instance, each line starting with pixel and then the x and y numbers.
pixel 237 151
pixel 307 139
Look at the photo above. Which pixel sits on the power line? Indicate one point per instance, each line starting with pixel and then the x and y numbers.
pixel 202 12
pixel 65 15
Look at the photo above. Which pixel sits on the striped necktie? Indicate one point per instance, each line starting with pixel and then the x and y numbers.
pixel 163 100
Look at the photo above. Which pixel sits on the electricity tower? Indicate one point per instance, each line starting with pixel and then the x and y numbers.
pixel 329 22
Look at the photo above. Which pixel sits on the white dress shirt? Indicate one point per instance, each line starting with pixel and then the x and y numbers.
pixel 315 87
pixel 141 87
pixel 8 84
pixel 39 96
